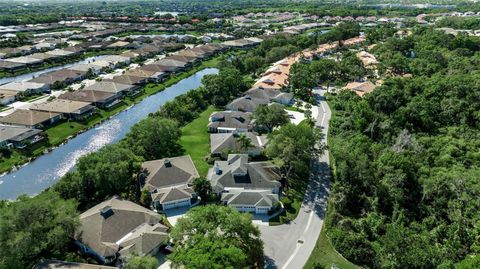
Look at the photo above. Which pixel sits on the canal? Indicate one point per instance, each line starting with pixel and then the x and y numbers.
pixel 46 169
pixel 35 74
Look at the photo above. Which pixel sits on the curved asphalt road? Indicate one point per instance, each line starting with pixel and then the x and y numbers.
pixel 281 243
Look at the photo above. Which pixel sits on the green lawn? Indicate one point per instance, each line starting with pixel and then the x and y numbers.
pixel 324 256
pixel 196 140
pixel 292 202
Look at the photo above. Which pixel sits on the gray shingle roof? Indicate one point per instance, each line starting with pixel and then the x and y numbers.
pixel 102 233
pixel 161 175
pixel 252 198
pixel 259 175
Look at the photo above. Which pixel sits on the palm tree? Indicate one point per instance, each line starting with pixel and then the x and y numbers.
pixel 244 143
pixel 203 188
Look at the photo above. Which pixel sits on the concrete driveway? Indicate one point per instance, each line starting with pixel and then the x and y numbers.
pixel 290 245
pixel 175 213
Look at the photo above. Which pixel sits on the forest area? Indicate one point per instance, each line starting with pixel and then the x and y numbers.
pixel 406 158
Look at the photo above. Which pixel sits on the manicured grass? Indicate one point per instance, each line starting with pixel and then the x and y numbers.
pixel 292 202
pixel 324 255
pixel 196 140
pixel 59 133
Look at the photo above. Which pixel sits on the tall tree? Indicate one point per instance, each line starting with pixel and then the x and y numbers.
pixel 33 228
pixel 203 188
pixel 270 116
pixel 216 237
pixel 154 138
pixel 139 262
pixel 293 146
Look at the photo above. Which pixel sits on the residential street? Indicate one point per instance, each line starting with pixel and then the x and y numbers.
pixel 290 245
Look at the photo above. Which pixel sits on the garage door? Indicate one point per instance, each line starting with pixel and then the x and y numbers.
pixel 177 204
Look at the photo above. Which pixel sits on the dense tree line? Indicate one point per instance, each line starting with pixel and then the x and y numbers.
pixel 407 160
pixel 459 23
pixel 306 75
pixel 281 46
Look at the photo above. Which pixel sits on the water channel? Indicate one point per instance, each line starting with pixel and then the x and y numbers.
pixel 45 170
pixel 35 74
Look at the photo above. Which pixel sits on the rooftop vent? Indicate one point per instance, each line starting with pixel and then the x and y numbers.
pixel 218 171
pixel 106 212
pixel 168 163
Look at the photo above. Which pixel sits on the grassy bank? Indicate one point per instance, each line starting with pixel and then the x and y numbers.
pixel 324 255
pixel 60 132
pixel 196 140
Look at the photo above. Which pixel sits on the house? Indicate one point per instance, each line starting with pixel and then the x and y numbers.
pixel 113 87
pixel 98 98
pixel 25 87
pixel 223 143
pixel 29 61
pixel 70 109
pixel 156 68
pixel 272 95
pixel 11 66
pixel 258 202
pixel 147 74
pixel 237 173
pixel 172 65
pixel 60 53
pixel 31 118
pixel 86 67
pixel 128 79
pixel 54 264
pixel 169 181
pixel 66 76
pixel 7 97
pixel 229 122
pixel 119 227
pixel 246 104
pixel 18 137
pixel 361 88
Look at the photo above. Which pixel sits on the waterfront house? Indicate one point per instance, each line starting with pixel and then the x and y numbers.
pixel 117 228
pixel 170 181
pixel 31 118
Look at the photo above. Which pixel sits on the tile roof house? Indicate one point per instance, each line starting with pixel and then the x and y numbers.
pixel 361 88
pixel 113 87
pixel 229 122
pixel 32 62
pixel 259 202
pixel 31 118
pixel 128 79
pixel 70 109
pixel 172 64
pixel 11 66
pixel 169 181
pixel 158 68
pixel 98 98
pixel 237 173
pixel 67 76
pixel 222 143
pixel 144 73
pixel 18 137
pixel 119 227
pixel 25 87
pixel 7 97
